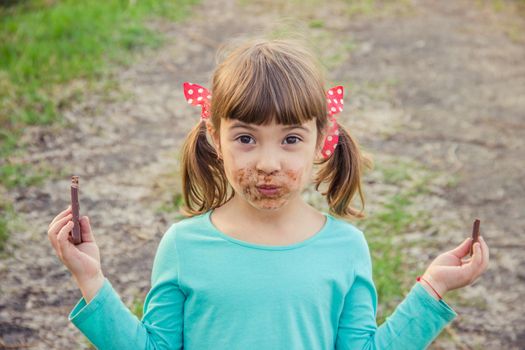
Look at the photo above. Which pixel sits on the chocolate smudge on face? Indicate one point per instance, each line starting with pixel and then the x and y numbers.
pixel 247 180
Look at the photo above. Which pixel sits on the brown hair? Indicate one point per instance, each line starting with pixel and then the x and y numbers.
pixel 257 82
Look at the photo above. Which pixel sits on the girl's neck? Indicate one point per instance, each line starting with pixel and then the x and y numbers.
pixel 287 225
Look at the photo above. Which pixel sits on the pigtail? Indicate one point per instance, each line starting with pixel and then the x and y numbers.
pixel 342 172
pixel 204 182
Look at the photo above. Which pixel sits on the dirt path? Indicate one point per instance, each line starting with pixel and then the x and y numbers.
pixel 460 93
pixel 447 91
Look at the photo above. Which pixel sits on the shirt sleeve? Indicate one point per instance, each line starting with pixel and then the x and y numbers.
pixel 414 324
pixel 109 324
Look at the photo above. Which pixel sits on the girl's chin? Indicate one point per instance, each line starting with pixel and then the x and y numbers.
pixel 271 207
pixel 268 203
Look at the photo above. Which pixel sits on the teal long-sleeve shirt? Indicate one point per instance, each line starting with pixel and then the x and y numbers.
pixel 212 291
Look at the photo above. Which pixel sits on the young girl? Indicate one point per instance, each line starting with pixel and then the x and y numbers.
pixel 254 266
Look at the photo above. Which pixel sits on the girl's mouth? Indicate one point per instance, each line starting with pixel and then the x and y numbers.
pixel 268 190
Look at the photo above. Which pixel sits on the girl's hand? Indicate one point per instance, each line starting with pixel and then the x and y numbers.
pixel 82 260
pixel 449 271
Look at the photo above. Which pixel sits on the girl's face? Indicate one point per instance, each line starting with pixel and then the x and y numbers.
pixel 269 165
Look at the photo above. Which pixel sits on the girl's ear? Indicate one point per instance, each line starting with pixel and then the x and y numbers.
pixel 215 137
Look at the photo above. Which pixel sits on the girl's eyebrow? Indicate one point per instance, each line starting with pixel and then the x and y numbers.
pixel 248 126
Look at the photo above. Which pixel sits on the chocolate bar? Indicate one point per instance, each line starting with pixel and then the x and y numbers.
pixel 75 208
pixel 475 235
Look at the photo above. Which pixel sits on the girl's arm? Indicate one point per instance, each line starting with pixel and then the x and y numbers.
pixel 109 324
pixel 417 320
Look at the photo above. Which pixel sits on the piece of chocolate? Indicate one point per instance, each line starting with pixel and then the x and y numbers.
pixel 75 209
pixel 475 235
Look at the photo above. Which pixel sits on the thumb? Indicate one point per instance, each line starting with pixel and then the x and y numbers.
pixel 85 229
pixel 463 249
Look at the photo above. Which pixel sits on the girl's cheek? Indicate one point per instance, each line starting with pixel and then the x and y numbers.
pixel 246 180
pixel 292 179
pixel 242 177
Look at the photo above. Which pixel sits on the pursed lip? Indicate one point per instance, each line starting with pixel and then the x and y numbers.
pixel 267 187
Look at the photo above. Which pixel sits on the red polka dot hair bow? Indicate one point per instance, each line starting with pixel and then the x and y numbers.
pixel 334 97
pixel 197 95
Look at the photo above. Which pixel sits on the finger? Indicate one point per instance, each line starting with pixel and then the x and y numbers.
pixel 55 228
pixel 486 254
pixel 463 249
pixel 61 215
pixel 474 266
pixel 53 231
pixel 471 270
pixel 53 239
pixel 465 261
pixel 85 229
pixel 64 244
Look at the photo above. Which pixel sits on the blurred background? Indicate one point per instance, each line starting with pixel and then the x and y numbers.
pixel 434 92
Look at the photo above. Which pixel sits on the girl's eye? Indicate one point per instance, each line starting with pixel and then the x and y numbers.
pixel 293 138
pixel 245 139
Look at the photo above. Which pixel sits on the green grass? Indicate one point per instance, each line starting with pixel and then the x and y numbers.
pixel 6 216
pixel 377 7
pixel 509 18
pixel 45 44
pixel 394 272
pixel 395 217
pixel 23 175
pixel 316 23
pixel 46 48
pixel 4 235
pixel 387 260
pixel 137 306
pixel 173 205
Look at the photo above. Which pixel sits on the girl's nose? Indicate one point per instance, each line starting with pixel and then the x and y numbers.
pixel 268 162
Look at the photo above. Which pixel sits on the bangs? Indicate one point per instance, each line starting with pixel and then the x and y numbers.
pixel 266 84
